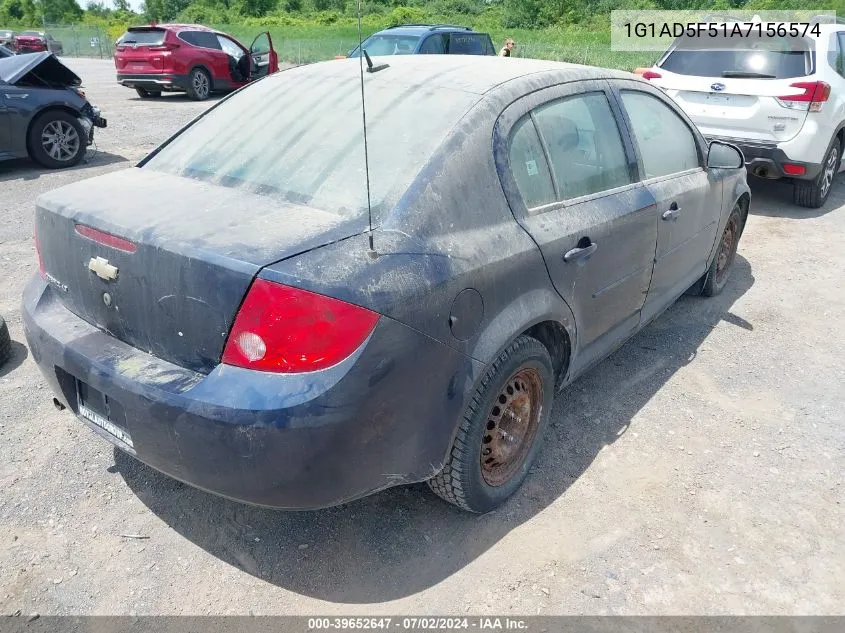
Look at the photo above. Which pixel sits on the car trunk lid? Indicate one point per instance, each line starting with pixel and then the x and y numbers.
pixel 162 262
pixel 733 89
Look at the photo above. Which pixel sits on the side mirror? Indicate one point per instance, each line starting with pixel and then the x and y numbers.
pixel 724 156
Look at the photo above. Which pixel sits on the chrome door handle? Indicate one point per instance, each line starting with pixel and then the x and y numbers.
pixel 580 253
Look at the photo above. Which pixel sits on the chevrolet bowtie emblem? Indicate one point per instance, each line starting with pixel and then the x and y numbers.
pixel 100 266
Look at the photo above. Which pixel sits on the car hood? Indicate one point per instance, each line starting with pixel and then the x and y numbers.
pixel 42 66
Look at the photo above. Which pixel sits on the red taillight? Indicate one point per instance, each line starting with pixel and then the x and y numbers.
pixel 815 93
pixel 164 47
pixel 41 270
pixel 288 330
pixel 650 74
pixel 106 239
pixel 792 169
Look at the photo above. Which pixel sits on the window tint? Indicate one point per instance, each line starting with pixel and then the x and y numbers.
pixel 434 45
pixel 766 57
pixel 202 39
pixel 584 145
pixel 528 165
pixel 466 44
pixel 666 144
pixel 151 37
pixel 839 62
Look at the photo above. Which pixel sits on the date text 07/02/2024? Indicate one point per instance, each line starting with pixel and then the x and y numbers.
pixel 724 29
pixel 418 624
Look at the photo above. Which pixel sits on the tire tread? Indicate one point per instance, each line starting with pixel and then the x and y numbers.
pixel 449 483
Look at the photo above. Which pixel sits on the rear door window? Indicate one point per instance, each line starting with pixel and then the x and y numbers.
pixel 203 39
pixel 751 57
pixel 584 144
pixel 528 165
pixel 434 45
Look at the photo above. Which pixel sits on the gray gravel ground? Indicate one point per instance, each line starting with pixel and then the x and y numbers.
pixel 698 470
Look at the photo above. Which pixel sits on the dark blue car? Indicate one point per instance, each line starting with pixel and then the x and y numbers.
pixel 427 39
pixel 219 313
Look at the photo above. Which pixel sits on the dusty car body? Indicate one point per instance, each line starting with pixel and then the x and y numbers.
pixel 230 325
pixel 43 112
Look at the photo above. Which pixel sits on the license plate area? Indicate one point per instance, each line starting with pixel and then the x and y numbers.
pixel 103 412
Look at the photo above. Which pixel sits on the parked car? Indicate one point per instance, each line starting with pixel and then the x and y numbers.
pixel 780 99
pixel 6 36
pixel 189 58
pixel 427 39
pixel 6 51
pixel 229 324
pixel 44 113
pixel 35 42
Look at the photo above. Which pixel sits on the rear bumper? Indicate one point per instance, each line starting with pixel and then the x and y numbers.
pixel 154 82
pixel 383 417
pixel 766 160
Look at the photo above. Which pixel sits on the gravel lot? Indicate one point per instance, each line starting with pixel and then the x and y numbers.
pixel 699 470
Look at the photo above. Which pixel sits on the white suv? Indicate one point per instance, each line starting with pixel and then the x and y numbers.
pixel 780 99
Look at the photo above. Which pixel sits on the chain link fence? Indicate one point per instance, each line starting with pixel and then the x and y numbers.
pixel 94 41
pixel 82 40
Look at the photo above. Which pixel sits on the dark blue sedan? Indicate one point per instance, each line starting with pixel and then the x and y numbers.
pixel 218 311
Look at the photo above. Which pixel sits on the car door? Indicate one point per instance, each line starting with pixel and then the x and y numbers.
pixel 239 59
pixel 570 175
pixel 265 61
pixel 672 158
pixel 5 141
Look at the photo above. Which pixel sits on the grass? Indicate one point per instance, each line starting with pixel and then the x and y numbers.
pixel 305 44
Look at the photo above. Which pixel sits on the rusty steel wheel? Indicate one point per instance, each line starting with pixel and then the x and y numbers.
pixel 500 432
pixel 720 270
pixel 727 249
pixel 511 426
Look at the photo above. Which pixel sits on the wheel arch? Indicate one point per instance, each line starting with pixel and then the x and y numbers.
pixel 202 66
pixel 540 313
pixel 58 107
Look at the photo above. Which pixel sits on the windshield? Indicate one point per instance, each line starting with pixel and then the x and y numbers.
pixel 384 44
pixel 297 136
pixel 31 34
pixel 767 57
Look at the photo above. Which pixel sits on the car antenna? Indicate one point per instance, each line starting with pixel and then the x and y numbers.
pixel 370 69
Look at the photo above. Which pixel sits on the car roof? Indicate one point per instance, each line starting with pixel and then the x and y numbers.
pixel 176 27
pixel 477 74
pixel 421 29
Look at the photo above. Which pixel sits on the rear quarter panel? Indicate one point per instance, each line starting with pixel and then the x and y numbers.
pixel 452 231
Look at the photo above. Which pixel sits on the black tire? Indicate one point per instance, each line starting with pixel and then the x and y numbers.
pixel 812 194
pixel 199 85
pixel 470 479
pixel 44 149
pixel 148 94
pixel 5 342
pixel 717 276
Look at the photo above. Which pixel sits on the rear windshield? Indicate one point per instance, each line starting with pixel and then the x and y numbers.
pixel 764 58
pixel 297 136
pixel 31 34
pixel 380 44
pixel 151 37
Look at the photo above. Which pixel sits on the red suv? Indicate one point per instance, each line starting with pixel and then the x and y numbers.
pixel 189 58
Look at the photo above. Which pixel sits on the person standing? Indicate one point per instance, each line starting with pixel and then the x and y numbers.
pixel 507 49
